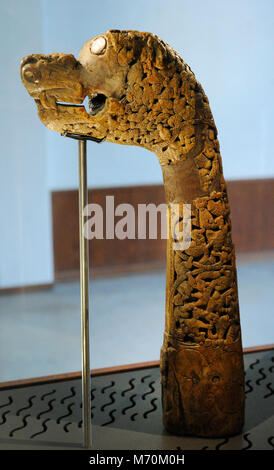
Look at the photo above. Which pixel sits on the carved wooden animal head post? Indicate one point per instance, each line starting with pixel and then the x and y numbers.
pixel 142 93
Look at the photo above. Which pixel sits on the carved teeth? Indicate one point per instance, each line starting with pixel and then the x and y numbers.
pixel 52 102
pixel 47 101
pixel 43 99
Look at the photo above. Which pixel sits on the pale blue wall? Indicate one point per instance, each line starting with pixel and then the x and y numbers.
pixel 228 44
pixel 25 234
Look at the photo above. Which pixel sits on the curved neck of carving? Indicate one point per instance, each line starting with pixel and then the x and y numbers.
pixel 198 173
pixel 201 302
pixel 190 158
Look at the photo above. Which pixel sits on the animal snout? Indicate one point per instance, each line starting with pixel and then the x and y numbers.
pixel 29 69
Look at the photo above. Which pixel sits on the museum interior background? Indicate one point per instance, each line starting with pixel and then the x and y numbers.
pixel 229 45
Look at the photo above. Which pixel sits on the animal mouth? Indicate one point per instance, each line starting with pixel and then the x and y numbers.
pixel 96 103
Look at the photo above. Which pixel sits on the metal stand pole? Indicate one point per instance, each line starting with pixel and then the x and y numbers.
pixel 84 284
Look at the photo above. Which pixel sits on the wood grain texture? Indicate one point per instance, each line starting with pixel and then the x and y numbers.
pixel 252 215
pixel 106 254
pixel 26 289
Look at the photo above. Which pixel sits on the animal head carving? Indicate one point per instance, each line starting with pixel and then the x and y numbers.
pixel 140 92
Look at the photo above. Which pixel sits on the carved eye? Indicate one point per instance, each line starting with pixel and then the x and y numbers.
pixel 98 46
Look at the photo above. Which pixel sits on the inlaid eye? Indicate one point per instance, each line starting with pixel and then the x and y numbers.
pixel 98 46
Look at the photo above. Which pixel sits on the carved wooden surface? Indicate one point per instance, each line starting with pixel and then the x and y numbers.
pixel 142 93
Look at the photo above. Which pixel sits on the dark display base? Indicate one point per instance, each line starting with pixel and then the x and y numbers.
pixel 126 412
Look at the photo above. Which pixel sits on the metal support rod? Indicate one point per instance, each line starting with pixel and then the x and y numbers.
pixel 84 285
